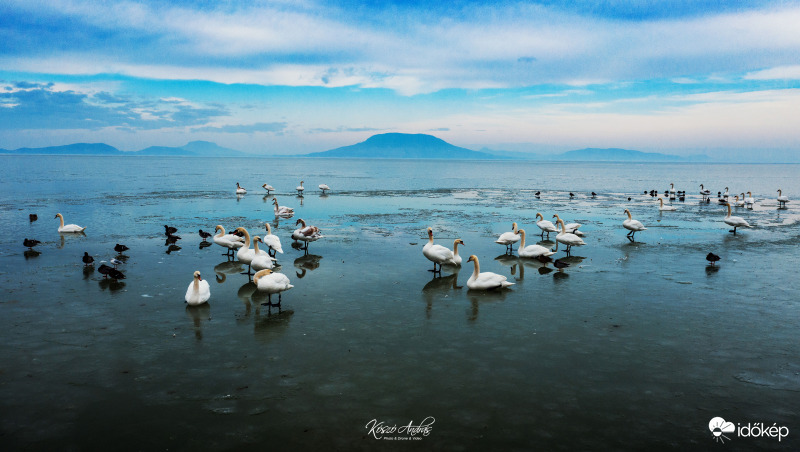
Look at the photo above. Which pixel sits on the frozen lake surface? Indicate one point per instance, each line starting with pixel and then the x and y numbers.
pixel 633 346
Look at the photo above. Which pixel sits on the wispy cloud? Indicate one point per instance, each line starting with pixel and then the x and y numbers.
pixel 263 127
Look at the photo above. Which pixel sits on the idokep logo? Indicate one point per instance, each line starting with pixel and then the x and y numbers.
pixel 719 427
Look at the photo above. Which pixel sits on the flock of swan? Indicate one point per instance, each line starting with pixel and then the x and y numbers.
pixel 261 263
pixel 569 235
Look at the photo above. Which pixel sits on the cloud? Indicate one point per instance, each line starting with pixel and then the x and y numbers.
pixel 265 127
pixel 776 73
pixel 40 106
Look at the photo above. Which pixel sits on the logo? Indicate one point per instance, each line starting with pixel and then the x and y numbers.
pixel 384 431
pixel 719 427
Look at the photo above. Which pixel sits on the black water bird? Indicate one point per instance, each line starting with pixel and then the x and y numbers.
pixel 104 270
pixel 120 248
pixel 559 264
pixel 594 194
pixel 115 274
pixel 713 258
pixel 204 235
pixel 30 243
pixel 33 217
pixel 571 195
pixel 87 260
pixel 169 230
pixel 629 198
pixel 537 194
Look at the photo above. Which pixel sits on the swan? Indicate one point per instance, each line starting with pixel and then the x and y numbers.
pixel 456 257
pixel 782 199
pixel 261 260
pixel 725 195
pixel 324 187
pixel 229 241
pixel 69 227
pixel 736 222
pixel 485 280
pixel 240 190
pixel 245 254
pixel 662 207
pixel 269 282
pixel 671 191
pixel 282 211
pixel 268 188
pixel 704 192
pixel 272 241
pixel 545 226
pixel 531 251
pixel 437 254
pixel 571 228
pixel 509 238
pixel 568 239
pixel 198 291
pixel 632 225
pixel 306 233
pixel 300 189
pixel 749 201
pixel 736 202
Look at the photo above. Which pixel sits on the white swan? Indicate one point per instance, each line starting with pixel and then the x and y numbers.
pixel 456 257
pixel 725 195
pixel 261 259
pixel 437 254
pixel 245 254
pixel 782 199
pixel 69 227
pixel 632 225
pixel 531 251
pixel 545 226
pixel 485 280
pixel 268 188
pixel 567 238
pixel 736 222
pixel 324 187
pixel 509 238
pixel 749 201
pixel 282 211
pixel 572 228
pixel 300 188
pixel 671 191
pixel 271 283
pixel 662 207
pixel 229 241
pixel 704 192
pixel 240 190
pixel 198 291
pixel 272 241
pixel 306 233
pixel 736 202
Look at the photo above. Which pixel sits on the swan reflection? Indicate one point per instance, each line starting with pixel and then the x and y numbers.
pixel 198 314
pixel 437 288
pixel 223 269
pixel 307 262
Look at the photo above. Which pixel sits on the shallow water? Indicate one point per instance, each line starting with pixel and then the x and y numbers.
pixel 634 345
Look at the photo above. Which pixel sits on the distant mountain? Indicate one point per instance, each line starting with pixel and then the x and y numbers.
pixel 69 149
pixel 192 149
pixel 602 155
pixel 404 146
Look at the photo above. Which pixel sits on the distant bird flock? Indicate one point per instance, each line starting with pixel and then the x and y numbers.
pixel 262 264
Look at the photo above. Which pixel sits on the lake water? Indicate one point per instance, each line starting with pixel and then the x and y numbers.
pixel 634 346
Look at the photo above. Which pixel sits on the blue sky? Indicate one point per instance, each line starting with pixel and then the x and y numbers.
pixel 675 76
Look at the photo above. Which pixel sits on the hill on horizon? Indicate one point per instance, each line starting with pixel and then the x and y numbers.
pixel 404 146
pixel 191 149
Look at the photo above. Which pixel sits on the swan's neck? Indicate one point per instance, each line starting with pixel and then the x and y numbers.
pixel 477 270
pixel 61 218
pixel 430 238
pixel 629 215
pixel 269 229
pixel 563 228
pixel 522 239
pixel 455 248
pixel 514 227
pixel 538 215
pixel 221 231
pixel 196 284
pixel 255 246
pixel 729 211
pixel 246 238
pixel 661 202
pixel 779 193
